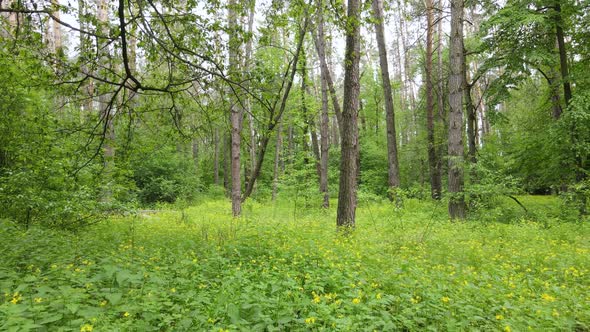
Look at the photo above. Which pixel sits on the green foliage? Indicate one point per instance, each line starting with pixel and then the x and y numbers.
pixel 165 176
pixel 40 181
pixel 280 269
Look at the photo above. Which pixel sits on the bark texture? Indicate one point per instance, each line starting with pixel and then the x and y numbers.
pixel 393 164
pixel 348 125
pixel 236 114
pixel 435 178
pixel 456 85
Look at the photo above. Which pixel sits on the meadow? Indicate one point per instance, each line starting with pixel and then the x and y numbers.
pixel 283 267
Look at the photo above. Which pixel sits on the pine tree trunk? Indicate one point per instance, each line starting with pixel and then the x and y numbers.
pixel 393 164
pixel 349 127
pixel 456 85
pixel 435 177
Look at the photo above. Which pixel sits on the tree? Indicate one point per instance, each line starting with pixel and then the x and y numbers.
pixel 327 86
pixel 236 112
pixel 433 162
pixel 456 86
pixel 393 164
pixel 349 127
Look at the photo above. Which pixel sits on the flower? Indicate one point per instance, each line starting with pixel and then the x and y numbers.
pixel 15 298
pixel 86 328
pixel 378 296
pixel 126 314
pixel 548 298
pixel 445 299
pixel 499 317
pixel 507 329
pixel 356 300
pixel 316 297
pixel 38 300
pixel 310 320
pixel 173 290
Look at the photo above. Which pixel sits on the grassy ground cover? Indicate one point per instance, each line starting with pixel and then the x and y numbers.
pixel 285 267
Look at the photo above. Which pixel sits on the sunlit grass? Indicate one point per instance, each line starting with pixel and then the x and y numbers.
pixel 284 266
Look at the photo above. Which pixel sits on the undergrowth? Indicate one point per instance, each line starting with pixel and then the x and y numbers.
pixel 284 267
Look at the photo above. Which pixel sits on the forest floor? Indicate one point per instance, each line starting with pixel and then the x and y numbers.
pixel 285 267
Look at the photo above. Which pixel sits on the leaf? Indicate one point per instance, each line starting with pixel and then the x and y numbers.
pixel 51 319
pixel 122 276
pixel 234 313
pixel 73 307
pixel 114 298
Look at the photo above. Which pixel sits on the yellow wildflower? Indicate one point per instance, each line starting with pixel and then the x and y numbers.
pixel 356 300
pixel 38 300
pixel 499 317
pixel 445 299
pixel 507 329
pixel 547 297
pixel 86 328
pixel 378 296
pixel 173 290
pixel 126 314
pixel 316 297
pixel 15 298
pixel 310 320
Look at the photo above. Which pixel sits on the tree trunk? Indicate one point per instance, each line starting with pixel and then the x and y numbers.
pixel 567 90
pixel 320 44
pixel 435 177
pixel 441 86
pixel 457 200
pixel 275 178
pixel 349 127
pixel 308 118
pixel 393 164
pixel 324 144
pixel 216 156
pixel 555 96
pixel 236 114
pixel 248 103
pixel 227 164
pixel 471 116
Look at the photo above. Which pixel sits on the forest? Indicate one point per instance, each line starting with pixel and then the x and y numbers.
pixel 301 165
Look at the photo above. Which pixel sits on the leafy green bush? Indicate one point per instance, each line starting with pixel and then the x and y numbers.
pixel 165 176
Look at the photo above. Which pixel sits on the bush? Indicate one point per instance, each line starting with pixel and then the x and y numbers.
pixel 165 176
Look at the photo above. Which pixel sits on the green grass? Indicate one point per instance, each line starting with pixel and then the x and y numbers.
pixel 285 267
